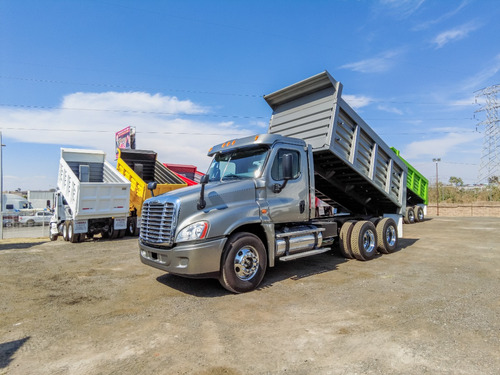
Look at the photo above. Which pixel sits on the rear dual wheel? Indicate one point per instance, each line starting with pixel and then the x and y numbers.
pixel 419 216
pixel 72 236
pixel 345 239
pixel 132 229
pixel 409 217
pixel 387 235
pixel 364 240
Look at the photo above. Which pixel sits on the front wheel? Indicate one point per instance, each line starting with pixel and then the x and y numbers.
pixel 244 263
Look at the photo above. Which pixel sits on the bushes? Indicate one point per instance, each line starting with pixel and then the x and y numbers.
pixel 460 194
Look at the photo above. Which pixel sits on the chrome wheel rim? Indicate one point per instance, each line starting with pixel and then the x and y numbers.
pixel 246 263
pixel 369 241
pixel 420 215
pixel 390 236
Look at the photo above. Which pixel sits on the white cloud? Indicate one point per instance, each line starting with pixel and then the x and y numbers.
pixel 357 101
pixel 427 24
pixel 378 64
pixel 455 34
pixel 402 8
pixel 131 101
pixel 480 79
pixel 439 147
pixel 176 139
pixel 390 109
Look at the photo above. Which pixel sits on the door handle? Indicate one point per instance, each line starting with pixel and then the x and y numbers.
pixel 302 206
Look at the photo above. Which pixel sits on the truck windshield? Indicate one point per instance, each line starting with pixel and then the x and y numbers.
pixel 237 164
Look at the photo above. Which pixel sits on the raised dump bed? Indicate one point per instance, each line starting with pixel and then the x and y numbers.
pixel 355 170
pixel 417 185
pixel 91 187
pixel 141 167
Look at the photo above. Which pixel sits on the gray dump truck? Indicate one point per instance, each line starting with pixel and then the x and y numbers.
pixel 258 202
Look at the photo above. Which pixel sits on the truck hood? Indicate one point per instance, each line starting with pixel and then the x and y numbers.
pixel 230 199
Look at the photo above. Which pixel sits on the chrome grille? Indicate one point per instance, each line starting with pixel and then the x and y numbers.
pixel 158 222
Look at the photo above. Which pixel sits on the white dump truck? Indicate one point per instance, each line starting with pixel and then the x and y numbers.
pixel 92 197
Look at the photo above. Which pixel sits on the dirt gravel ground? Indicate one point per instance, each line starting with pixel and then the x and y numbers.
pixel 433 307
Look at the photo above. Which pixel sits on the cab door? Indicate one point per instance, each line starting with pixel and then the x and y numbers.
pixel 291 203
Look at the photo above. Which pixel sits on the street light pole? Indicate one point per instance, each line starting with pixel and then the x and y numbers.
pixel 437 160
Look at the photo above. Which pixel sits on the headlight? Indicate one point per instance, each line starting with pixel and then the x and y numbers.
pixel 195 231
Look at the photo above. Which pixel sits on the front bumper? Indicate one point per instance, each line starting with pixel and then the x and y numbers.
pixel 200 259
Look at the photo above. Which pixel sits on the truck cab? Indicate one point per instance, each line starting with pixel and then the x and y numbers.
pixel 254 205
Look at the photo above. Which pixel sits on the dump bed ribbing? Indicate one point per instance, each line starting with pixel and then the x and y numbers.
pixel 354 169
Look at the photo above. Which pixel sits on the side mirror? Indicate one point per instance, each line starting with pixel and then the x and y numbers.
pixel 201 202
pixel 287 165
pixel 151 187
pixel 204 179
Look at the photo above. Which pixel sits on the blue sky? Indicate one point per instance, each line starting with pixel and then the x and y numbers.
pixel 190 74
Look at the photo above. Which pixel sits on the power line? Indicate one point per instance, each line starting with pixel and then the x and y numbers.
pixel 128 87
pixel 204 114
pixel 114 86
pixel 130 111
pixel 112 131
pixel 190 133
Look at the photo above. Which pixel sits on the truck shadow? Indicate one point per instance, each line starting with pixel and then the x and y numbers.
pixel 197 287
pixel 8 349
pixel 404 243
pixel 20 246
pixel 294 270
pixel 301 268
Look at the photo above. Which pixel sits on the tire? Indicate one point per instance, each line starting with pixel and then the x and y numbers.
pixel 72 236
pixel 345 239
pixel 419 216
pixel 387 235
pixel 111 233
pixel 53 237
pixel 65 231
pixel 244 263
pixel 364 240
pixel 131 226
pixel 30 223
pixel 409 216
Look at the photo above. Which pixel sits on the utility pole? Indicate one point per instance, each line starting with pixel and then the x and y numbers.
pixel 437 160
